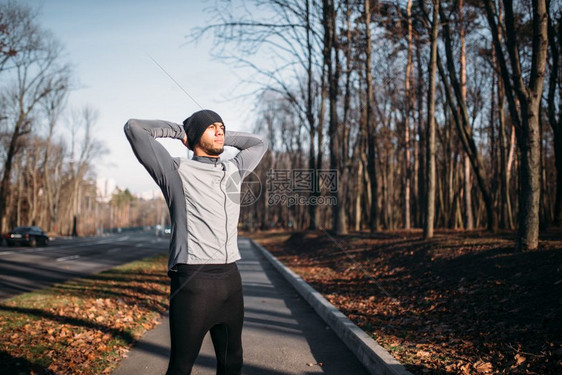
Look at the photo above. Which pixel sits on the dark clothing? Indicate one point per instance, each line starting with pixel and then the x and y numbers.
pixel 206 298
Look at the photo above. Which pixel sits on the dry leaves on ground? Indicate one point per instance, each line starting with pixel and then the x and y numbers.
pixel 461 303
pixel 83 326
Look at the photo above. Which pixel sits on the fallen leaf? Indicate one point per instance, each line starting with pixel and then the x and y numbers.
pixel 519 359
pixel 315 364
pixel 483 367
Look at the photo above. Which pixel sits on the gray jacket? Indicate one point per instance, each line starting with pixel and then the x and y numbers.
pixel 203 194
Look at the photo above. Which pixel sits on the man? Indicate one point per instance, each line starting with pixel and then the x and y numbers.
pixel 206 289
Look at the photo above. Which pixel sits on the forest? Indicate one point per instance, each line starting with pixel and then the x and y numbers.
pixel 380 115
pixel 431 114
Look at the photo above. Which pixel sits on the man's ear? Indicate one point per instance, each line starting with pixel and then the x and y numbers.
pixel 185 142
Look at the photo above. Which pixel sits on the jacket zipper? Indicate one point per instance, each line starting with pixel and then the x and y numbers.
pixel 225 215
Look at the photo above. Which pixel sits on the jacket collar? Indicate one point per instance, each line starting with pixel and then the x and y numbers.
pixel 206 159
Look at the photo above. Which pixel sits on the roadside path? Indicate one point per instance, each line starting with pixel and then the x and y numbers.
pixel 282 333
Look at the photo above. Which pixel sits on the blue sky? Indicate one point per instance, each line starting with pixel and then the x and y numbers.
pixel 109 43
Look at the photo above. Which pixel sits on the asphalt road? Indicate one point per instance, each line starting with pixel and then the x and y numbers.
pixel 23 269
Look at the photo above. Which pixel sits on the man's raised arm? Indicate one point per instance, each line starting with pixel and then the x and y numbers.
pixel 252 148
pixel 151 154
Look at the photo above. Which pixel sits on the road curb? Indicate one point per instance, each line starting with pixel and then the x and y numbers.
pixel 373 356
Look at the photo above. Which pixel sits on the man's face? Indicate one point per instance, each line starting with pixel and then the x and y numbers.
pixel 212 140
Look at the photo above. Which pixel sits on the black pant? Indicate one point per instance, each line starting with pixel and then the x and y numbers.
pixel 206 298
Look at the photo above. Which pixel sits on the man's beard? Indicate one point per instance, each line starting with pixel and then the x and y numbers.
pixel 211 149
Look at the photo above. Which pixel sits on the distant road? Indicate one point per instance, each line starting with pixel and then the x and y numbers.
pixel 23 269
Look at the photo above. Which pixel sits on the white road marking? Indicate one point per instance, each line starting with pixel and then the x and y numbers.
pixel 100 242
pixel 109 240
pixel 73 245
pixel 70 257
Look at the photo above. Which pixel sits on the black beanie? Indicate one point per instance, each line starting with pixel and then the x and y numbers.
pixel 196 124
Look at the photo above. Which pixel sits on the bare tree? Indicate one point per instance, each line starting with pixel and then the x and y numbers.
pixel 464 127
pixel 84 149
pixel 469 219
pixel 430 147
pixel 507 143
pixel 333 69
pixel 36 72
pixel 53 105
pixel 14 19
pixel 409 96
pixel 524 104
pixel 371 127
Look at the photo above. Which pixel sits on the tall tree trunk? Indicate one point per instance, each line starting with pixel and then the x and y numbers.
pixel 430 147
pixel 321 118
pixel 554 118
pixel 419 146
pixel 332 64
pixel 371 125
pixel 359 192
pixel 467 186
pixel 13 148
pixel 312 208
pixel 526 115
pixel 321 215
pixel 558 162
pixel 504 149
pixel 343 166
pixel 505 201
pixel 545 211
pixel 47 181
pixel 19 196
pixel 408 93
pixel 469 216
pixel 450 173
pixel 361 159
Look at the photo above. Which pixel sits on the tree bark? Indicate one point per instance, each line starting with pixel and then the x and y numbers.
pixel 419 146
pixel 331 61
pixel 526 116
pixel 430 147
pixel 13 148
pixel 504 150
pixel 408 94
pixel 469 216
pixel 312 208
pixel 371 125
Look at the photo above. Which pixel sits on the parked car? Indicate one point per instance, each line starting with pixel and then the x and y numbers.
pixel 31 236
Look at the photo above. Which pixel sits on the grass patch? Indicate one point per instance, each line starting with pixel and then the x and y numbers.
pixel 83 326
